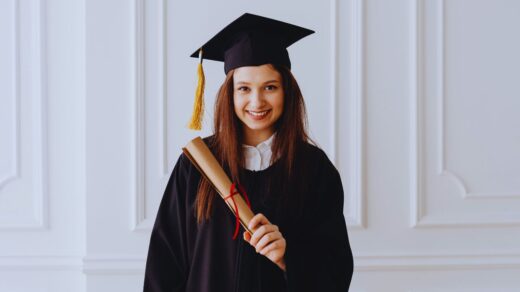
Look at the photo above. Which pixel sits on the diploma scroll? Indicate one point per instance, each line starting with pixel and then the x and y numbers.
pixel 200 155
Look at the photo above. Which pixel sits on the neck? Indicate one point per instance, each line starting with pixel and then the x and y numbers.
pixel 253 138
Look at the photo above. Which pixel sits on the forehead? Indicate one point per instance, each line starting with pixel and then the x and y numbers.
pixel 256 74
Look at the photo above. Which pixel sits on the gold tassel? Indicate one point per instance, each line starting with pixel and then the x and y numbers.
pixel 198 105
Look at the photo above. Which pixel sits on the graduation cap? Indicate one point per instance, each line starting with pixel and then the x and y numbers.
pixel 250 40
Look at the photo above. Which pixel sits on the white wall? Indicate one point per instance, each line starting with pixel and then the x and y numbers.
pixel 414 100
pixel 42 152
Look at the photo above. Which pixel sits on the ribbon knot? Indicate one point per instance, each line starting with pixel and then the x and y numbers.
pixel 232 192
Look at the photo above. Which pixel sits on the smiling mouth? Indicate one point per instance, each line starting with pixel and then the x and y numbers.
pixel 258 113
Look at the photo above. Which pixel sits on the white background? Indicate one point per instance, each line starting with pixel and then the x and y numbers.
pixel 415 101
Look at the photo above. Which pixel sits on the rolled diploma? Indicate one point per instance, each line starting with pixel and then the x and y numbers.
pixel 200 155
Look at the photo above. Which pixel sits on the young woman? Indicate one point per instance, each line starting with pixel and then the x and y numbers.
pixel 260 139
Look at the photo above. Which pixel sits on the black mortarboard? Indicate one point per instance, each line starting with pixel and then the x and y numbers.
pixel 250 40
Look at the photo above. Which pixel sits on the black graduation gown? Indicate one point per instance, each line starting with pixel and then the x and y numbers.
pixel 186 256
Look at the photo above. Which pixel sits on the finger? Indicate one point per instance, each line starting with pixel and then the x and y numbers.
pixel 247 236
pixel 260 232
pixel 258 219
pixel 267 239
pixel 278 244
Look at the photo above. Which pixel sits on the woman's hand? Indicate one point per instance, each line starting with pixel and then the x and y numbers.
pixel 267 240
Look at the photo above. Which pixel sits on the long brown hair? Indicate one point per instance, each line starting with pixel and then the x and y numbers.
pixel 291 129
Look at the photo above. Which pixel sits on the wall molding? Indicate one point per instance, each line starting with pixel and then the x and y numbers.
pixel 454 261
pixel 139 220
pixel 442 170
pixel 418 128
pixel 40 263
pixel 14 173
pixel 334 91
pixel 357 202
pixel 129 264
pixel 113 264
pixel 138 197
pixel 33 19
pixel 416 124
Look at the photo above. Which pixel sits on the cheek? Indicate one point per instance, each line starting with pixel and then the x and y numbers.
pixel 278 103
pixel 238 104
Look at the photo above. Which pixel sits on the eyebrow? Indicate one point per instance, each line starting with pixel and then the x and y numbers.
pixel 270 81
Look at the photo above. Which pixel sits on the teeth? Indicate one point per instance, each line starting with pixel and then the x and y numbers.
pixel 258 114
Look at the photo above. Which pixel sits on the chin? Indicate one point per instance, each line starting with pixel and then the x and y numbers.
pixel 259 128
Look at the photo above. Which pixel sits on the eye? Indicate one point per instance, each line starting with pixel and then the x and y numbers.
pixel 270 87
pixel 243 88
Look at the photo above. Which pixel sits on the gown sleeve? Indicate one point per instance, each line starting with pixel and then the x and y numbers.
pixel 167 263
pixel 318 255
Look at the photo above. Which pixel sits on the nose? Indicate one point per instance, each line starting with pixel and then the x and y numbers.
pixel 256 98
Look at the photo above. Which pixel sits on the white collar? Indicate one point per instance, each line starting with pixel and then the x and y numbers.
pixel 259 157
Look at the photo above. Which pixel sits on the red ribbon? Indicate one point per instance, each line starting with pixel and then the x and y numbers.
pixel 232 192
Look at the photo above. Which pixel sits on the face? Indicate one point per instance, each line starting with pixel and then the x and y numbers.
pixel 258 100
